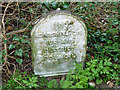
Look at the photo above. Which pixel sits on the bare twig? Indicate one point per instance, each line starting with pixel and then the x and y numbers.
pixel 31 6
pixel 14 73
pixel 26 5
pixel 13 65
pixel 11 57
pixel 23 30
pixel 74 7
pixel 18 82
pixel 17 10
pixel 11 13
pixel 27 65
pixel 4 17
pixel 14 77
pixel 3 34
pixel 19 31
pixel 27 11
pixel 8 69
pixel 6 72
pixel 12 52
pixel 5 46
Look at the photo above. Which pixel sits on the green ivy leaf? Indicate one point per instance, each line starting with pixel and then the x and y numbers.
pixel 54 5
pixel 65 5
pixel 109 63
pixel 5 41
pixel 16 28
pixel 27 41
pixel 30 27
pixel 3 52
pixel 24 36
pixel 88 63
pixel 99 81
pixel 1 61
pixel 16 38
pixel 116 59
pixel 26 55
pixel 35 85
pixel 105 63
pixel 11 46
pixel 19 61
pixel 24 81
pixel 30 10
pixel 19 52
pixel 23 40
pixel 30 79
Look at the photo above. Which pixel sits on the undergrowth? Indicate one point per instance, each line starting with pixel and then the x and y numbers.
pixel 103 52
pixel 97 70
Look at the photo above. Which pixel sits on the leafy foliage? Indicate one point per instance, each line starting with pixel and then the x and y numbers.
pixel 25 81
pixel 102 59
pixel 52 84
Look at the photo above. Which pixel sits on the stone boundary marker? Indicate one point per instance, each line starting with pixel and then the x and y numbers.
pixel 58 40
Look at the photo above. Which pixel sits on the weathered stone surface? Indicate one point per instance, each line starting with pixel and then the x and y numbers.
pixel 58 40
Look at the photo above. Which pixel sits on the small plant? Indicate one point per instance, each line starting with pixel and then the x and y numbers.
pixel 14 81
pixel 97 70
pixel 52 84
pixel 78 79
pixel 102 70
pixel 31 82
pixel 21 80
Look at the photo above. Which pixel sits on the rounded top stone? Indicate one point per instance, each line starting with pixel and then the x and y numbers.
pixel 58 40
pixel 59 12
